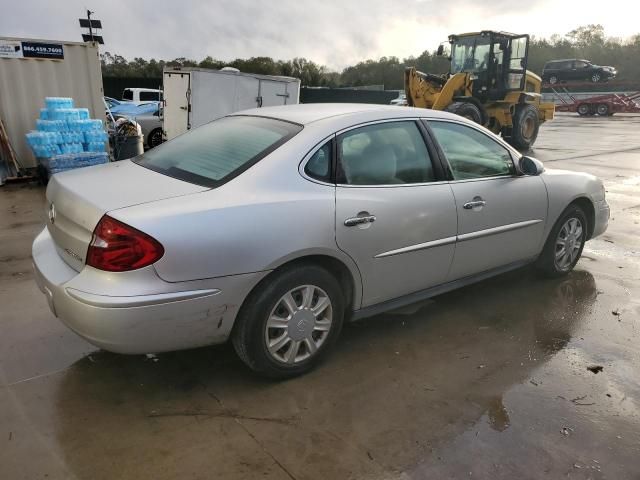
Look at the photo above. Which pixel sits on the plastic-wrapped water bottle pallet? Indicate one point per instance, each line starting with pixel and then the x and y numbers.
pixel 60 163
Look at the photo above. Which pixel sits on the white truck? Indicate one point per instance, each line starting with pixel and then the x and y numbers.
pixel 195 96
pixel 141 95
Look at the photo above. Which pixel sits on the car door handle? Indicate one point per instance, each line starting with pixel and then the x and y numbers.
pixel 353 221
pixel 474 204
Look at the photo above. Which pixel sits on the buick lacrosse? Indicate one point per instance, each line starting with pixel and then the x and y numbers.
pixel 271 227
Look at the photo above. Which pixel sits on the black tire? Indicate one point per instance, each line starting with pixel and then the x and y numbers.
pixel 547 263
pixel 250 332
pixel 467 110
pixel 584 110
pixel 155 138
pixel 596 77
pixel 526 124
pixel 553 79
pixel 602 109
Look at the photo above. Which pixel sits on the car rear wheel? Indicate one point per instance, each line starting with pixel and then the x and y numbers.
pixel 289 322
pixel 564 245
pixel 553 79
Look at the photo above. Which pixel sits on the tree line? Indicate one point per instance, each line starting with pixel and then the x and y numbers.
pixel 588 42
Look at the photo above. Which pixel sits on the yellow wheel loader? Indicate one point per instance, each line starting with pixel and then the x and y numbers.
pixel 488 82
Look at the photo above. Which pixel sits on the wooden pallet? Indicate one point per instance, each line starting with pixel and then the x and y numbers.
pixel 9 155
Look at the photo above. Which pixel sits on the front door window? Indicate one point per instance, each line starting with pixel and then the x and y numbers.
pixel 470 153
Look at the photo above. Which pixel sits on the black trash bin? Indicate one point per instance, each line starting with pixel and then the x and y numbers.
pixel 127 147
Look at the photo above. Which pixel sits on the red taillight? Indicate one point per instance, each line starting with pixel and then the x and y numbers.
pixel 117 247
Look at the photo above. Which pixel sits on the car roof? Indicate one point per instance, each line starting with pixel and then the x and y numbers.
pixel 568 60
pixel 138 89
pixel 305 114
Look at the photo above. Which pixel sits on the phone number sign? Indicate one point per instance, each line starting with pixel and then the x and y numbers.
pixel 42 50
pixel 19 49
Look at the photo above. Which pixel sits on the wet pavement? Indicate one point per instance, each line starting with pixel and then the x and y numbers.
pixel 490 381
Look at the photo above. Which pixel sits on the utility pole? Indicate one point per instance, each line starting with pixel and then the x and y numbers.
pixel 89 22
pixel 91 25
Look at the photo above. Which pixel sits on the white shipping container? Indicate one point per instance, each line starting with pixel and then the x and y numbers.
pixel 31 70
pixel 195 96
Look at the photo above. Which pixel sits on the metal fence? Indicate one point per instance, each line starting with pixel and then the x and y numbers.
pixel 113 86
pixel 340 95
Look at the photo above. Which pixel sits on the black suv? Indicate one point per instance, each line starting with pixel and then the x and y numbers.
pixel 576 70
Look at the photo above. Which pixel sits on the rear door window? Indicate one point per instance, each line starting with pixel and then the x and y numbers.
pixel 384 154
pixel 127 94
pixel 220 150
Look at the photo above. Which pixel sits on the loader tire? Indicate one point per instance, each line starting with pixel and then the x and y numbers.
pixel 526 124
pixel 466 110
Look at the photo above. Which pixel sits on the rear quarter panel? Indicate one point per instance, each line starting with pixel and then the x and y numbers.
pixel 258 221
pixel 564 187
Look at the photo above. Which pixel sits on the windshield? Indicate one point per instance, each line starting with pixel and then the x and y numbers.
pixel 218 151
pixel 470 54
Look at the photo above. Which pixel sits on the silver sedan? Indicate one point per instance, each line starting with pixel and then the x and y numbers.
pixel 271 227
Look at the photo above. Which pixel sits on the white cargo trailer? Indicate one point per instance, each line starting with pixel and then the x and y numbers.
pixel 195 96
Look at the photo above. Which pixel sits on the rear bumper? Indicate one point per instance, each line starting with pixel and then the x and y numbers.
pixel 602 213
pixel 138 312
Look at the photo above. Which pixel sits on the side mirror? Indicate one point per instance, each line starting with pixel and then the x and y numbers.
pixel 530 166
pixel 440 51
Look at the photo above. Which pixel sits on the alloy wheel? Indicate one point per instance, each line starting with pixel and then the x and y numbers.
pixel 568 243
pixel 155 138
pixel 298 324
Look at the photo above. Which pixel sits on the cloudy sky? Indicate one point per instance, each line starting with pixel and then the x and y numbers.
pixel 335 33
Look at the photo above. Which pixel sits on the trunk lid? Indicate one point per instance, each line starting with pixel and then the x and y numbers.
pixel 77 200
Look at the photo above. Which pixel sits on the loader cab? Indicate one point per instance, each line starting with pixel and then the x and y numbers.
pixel 496 61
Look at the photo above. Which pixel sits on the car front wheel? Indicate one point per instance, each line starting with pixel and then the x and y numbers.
pixel 596 77
pixel 564 245
pixel 289 322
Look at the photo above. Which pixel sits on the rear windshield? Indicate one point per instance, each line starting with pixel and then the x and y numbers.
pixel 218 151
pixel 150 96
